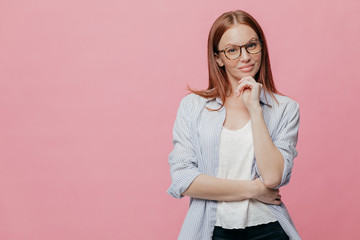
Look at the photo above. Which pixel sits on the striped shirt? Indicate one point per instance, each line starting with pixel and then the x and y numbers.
pixel 196 136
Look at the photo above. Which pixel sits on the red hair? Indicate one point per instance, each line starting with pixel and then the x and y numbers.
pixel 219 85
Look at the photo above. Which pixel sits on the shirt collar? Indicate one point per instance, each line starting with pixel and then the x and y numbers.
pixel 262 98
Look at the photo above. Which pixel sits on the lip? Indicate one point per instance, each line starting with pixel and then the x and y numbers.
pixel 247 68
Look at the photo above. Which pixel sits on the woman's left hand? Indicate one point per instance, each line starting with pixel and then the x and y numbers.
pixel 250 91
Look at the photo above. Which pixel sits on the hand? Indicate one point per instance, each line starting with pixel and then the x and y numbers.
pixel 265 194
pixel 250 91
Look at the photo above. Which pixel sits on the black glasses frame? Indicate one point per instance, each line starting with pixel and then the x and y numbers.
pixel 245 45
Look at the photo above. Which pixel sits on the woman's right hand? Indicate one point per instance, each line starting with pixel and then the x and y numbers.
pixel 265 194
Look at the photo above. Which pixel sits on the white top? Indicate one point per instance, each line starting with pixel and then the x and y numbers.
pixel 236 156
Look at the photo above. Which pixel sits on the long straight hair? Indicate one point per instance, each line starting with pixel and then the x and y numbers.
pixel 219 85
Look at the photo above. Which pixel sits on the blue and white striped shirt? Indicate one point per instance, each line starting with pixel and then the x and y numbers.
pixel 196 136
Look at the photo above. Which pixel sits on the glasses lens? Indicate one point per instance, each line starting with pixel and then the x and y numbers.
pixel 253 46
pixel 232 52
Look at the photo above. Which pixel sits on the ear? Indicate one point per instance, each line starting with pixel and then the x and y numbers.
pixel 218 60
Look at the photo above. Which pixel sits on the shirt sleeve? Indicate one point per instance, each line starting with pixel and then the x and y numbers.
pixel 286 141
pixel 182 158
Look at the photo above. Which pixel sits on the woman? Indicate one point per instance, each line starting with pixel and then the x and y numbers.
pixel 234 143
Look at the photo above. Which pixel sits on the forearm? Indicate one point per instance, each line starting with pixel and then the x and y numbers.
pixel 269 160
pixel 219 189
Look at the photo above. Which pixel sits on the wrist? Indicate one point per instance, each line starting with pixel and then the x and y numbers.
pixel 255 110
pixel 254 189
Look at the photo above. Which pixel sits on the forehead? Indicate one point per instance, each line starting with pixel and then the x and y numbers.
pixel 238 34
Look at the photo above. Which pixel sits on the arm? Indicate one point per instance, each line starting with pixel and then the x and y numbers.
pixel 182 159
pixel 188 180
pixel 274 159
pixel 212 188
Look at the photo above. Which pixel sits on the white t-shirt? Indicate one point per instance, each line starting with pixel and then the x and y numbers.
pixel 236 155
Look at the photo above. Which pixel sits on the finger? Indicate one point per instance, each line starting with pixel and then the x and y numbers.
pixel 248 78
pixel 244 85
pixel 251 79
pixel 248 84
pixel 244 79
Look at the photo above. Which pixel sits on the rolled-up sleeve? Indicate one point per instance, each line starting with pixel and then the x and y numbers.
pixel 182 158
pixel 286 140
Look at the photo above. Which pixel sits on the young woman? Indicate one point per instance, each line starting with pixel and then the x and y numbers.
pixel 234 143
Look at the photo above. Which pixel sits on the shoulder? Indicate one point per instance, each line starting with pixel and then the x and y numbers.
pixel 282 116
pixel 287 108
pixel 194 98
pixel 193 101
pixel 286 103
pixel 190 106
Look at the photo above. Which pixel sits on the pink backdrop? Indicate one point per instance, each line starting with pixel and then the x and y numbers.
pixel 88 96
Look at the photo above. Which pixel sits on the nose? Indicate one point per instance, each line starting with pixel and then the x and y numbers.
pixel 245 56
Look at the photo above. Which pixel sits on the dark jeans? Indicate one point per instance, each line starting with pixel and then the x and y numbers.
pixel 268 231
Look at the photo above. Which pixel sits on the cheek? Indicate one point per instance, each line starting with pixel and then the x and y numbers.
pixel 231 64
pixel 259 59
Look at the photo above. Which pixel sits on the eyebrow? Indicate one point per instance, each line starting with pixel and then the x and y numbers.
pixel 230 44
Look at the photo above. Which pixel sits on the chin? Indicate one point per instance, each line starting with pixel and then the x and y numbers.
pixel 249 74
pixel 238 76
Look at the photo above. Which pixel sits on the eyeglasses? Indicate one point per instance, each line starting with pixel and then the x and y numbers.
pixel 234 51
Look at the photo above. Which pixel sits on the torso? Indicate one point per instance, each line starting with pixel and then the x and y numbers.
pixel 237 115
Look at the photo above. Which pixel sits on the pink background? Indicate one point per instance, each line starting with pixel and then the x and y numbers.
pixel 88 96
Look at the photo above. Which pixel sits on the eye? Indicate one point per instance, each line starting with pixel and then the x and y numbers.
pixel 232 50
pixel 251 45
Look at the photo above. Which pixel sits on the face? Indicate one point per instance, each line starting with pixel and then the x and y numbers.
pixel 239 34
